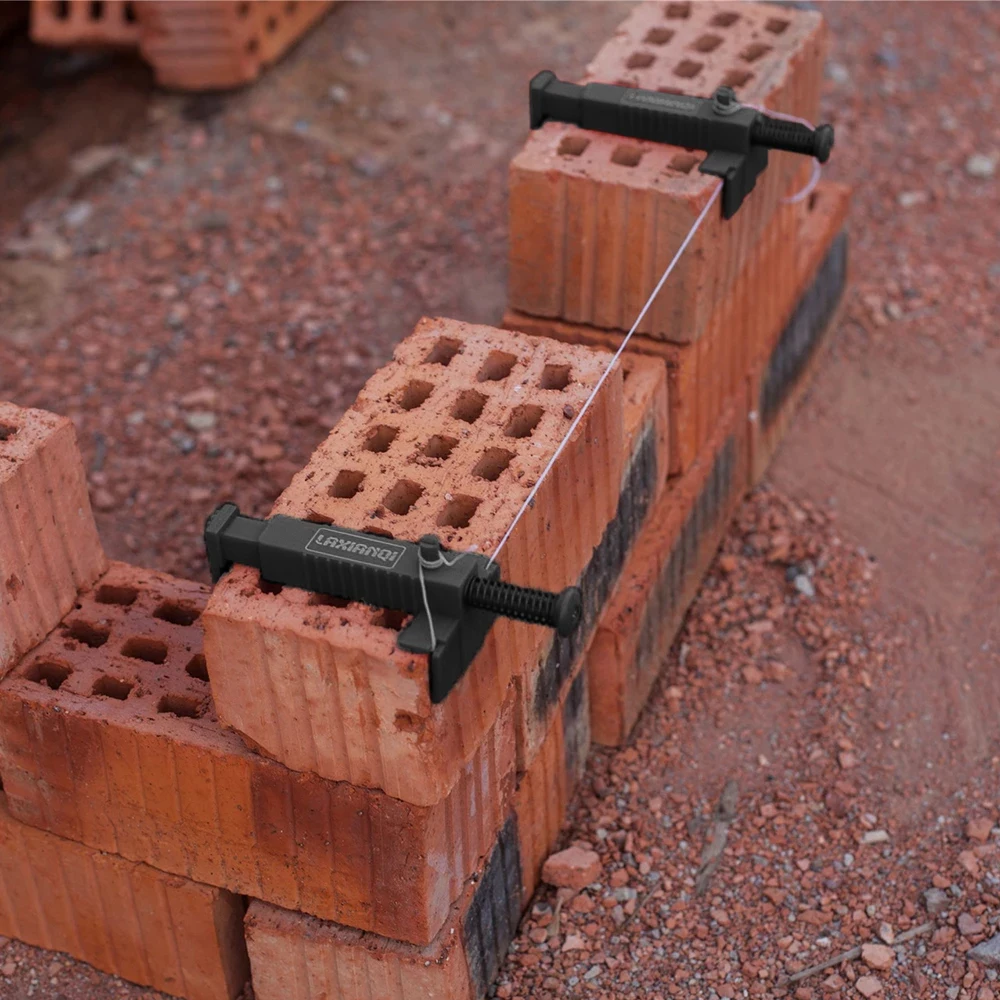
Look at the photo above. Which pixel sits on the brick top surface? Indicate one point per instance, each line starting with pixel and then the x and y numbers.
pixel 130 649
pixel 22 430
pixel 676 48
pixel 449 437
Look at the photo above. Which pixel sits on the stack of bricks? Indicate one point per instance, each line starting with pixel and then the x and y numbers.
pixel 265 748
pixel 190 44
pixel 594 221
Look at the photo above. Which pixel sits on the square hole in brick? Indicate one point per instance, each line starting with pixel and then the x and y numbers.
pixel 754 51
pixel 176 613
pixel 346 485
pixel 688 68
pixel 380 437
pixel 439 446
pixel 181 705
pixel 145 648
pixel 684 163
pixel 458 512
pixel 415 394
pixel 572 145
pixel 443 351
pixel 523 420
pixel 112 687
pixel 776 25
pixel 627 155
pixel 327 601
pixel 389 618
pixel 469 406
pixel 109 593
pixel 658 36
pixel 197 667
pixel 7 431
pixel 677 10
pixel 555 377
pixel 496 367
pixel 403 496
pixel 640 60
pixel 707 43
pixel 51 673
pixel 737 78
pixel 492 463
pixel 89 634
pixel 724 19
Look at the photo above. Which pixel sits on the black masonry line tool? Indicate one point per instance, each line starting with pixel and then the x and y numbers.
pixel 454 597
pixel 736 137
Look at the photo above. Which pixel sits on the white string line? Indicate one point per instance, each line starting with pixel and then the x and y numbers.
pixel 440 561
pixel 607 371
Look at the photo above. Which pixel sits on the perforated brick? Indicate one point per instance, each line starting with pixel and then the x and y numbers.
pixel 418 452
pixel 742 330
pixel 661 578
pixel 49 549
pixel 128 919
pixel 69 23
pixel 197 45
pixel 595 219
pixel 108 737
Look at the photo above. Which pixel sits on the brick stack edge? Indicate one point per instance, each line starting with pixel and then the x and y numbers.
pixel 174 757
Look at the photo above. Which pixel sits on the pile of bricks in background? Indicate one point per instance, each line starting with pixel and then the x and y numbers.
pixel 190 44
pixel 255 780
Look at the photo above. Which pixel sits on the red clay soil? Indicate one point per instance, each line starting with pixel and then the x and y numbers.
pixel 207 304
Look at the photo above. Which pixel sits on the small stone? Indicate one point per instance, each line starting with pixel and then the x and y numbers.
pixel 94 159
pixel 78 213
pixel 969 862
pixel 338 93
pixel 266 452
pixel 878 956
pixel 886 933
pixel 910 199
pixel 9 969
pixel 875 837
pixel 200 420
pixel 538 934
pixel 936 901
pixel 968 926
pixel 618 878
pixel 987 953
pixel 847 760
pixel 838 73
pixel 868 986
pixel 979 829
pixel 752 675
pixel 592 973
pixel 370 164
pixel 573 942
pixel 573 868
pixel 804 585
pixel 980 165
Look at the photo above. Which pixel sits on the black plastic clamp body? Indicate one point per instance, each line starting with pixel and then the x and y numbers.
pixel 736 137
pixel 464 593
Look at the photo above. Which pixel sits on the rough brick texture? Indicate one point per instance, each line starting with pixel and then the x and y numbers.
pixel 128 919
pixel 449 437
pixel 777 383
pixel 49 549
pixel 81 22
pixel 108 737
pixel 644 475
pixel 198 45
pixel 661 577
pixel 743 327
pixel 294 957
pixel 595 219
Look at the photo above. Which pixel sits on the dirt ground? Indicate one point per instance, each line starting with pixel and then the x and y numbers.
pixel 205 296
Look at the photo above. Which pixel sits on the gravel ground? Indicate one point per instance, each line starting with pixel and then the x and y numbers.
pixel 206 298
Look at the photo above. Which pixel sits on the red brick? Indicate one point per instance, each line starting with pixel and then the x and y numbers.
pixel 78 22
pixel 198 45
pixel 180 793
pixel 346 703
pixel 778 381
pixel 594 218
pixel 661 578
pixel 128 919
pixel 49 549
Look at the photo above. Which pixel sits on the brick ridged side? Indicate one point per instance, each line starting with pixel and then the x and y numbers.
pixel 128 919
pixel 449 437
pixel 108 737
pixel 49 548
pixel 594 218
pixel 661 578
pixel 197 45
pixel 81 22
pixel 295 957
pixel 742 330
